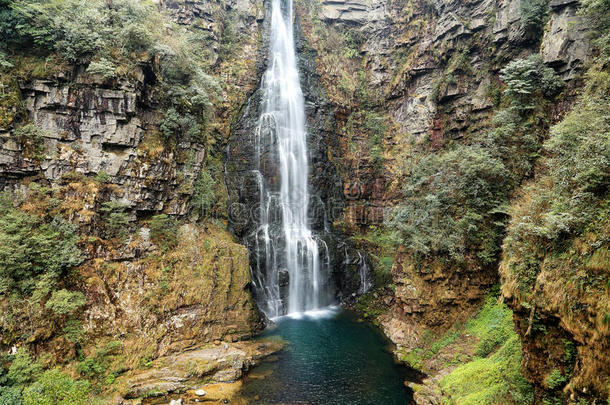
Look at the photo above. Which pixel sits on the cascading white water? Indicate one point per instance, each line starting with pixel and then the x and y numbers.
pixel 282 143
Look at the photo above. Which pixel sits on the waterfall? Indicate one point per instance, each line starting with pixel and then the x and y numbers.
pixel 285 243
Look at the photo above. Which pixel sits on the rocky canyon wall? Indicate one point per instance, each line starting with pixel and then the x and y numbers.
pixel 418 78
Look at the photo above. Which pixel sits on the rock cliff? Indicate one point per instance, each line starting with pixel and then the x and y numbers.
pixel 416 78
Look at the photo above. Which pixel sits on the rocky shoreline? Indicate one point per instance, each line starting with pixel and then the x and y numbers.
pixel 212 373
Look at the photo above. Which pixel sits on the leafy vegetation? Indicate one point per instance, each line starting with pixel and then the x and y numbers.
pixel 115 219
pixel 27 384
pixel 448 201
pixel 34 253
pixel 490 380
pixel 455 200
pixel 163 231
pixel 56 388
pixel 533 15
pixel 370 125
pixel 572 193
pixel 204 195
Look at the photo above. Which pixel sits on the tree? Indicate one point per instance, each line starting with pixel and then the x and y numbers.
pixel 34 253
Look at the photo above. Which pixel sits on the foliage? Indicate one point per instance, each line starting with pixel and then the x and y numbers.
pixel 455 200
pixel 102 67
pixel 369 125
pixel 78 30
pixel 31 139
pixel 103 366
pixel 73 331
pixel 597 13
pixel 449 203
pixel 64 302
pixel 493 325
pixel 182 126
pixel 112 38
pixel 204 195
pixel 527 78
pixel 555 379
pixel 56 388
pixel 495 375
pixel 34 253
pixel 533 14
pixel 23 368
pixel 163 230
pixel 115 219
pixel 10 396
pixel 102 177
pixel 570 196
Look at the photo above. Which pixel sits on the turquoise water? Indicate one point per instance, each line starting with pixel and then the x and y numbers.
pixel 332 358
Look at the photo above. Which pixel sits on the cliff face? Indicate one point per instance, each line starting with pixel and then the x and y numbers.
pixel 100 146
pixel 409 79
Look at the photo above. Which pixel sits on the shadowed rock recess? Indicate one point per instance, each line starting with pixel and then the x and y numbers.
pixel 458 155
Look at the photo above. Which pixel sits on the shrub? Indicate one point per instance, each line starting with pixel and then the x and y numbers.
pixel 56 388
pixel 64 302
pixel 449 203
pixel 533 15
pixel 527 78
pixel 102 67
pixel 10 396
pixel 34 253
pixel 73 331
pixel 115 219
pixel 569 194
pixel 163 230
pixel 555 379
pixel 597 13
pixel 23 369
pixel 31 139
pixel 204 195
pixel 180 126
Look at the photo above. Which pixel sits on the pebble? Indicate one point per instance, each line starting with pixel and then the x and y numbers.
pixel 200 393
pixel 176 402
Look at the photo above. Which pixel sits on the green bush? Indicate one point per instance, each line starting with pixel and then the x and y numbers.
pixel 115 219
pixel 555 380
pixel 204 195
pixel 529 80
pixel 64 302
pixel 10 396
pixel 102 67
pixel 449 202
pixel 533 14
pixel 73 331
pixel 23 369
pixel 164 231
pixel 597 13
pixel 34 254
pixel 570 193
pixel 56 388
pixel 31 139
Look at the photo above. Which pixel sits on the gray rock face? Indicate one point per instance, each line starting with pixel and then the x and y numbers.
pixel 353 11
pixel 565 45
pixel 90 129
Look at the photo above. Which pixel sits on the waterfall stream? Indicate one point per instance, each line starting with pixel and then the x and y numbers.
pixel 285 244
